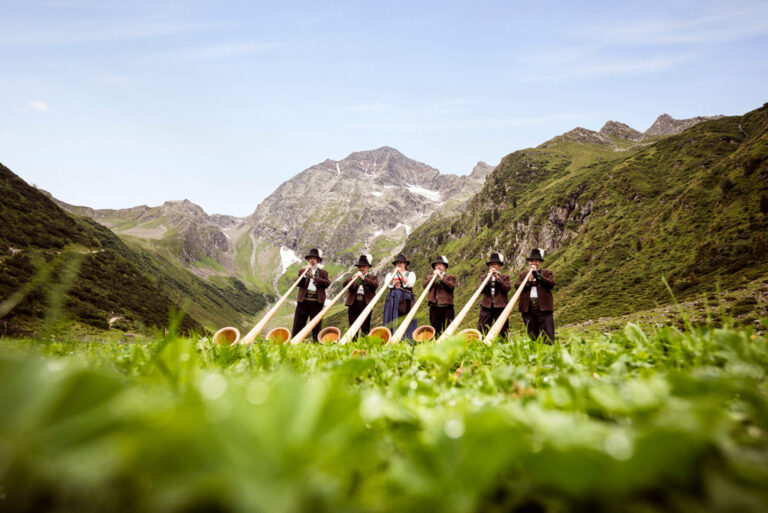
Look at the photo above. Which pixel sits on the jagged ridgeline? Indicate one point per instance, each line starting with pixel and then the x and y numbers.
pixel 615 212
pixel 116 285
pixel 366 202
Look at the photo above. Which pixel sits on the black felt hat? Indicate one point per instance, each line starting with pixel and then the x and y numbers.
pixel 401 258
pixel 364 260
pixel 496 258
pixel 536 255
pixel 314 252
pixel 440 260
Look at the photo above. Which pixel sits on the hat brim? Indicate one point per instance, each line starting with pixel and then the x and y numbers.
pixel 494 262
pixel 535 258
pixel 407 262
pixel 435 263
pixel 359 264
pixel 319 259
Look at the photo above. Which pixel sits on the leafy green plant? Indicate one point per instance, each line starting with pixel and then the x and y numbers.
pixel 638 419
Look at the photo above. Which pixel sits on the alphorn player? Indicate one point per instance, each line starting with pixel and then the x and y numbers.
pixel 311 296
pixel 400 297
pixel 440 296
pixel 536 303
pixel 361 292
pixel 494 295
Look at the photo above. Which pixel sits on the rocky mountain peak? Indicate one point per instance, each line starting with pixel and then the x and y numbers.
pixel 378 153
pixel 181 210
pixel 580 135
pixel 481 171
pixel 620 131
pixel 663 126
pixel 384 165
pixel 667 125
pixel 343 204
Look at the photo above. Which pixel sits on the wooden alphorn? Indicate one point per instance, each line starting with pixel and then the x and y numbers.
pixel 464 311
pixel 232 335
pixel 496 328
pixel 407 320
pixel 352 331
pixel 313 322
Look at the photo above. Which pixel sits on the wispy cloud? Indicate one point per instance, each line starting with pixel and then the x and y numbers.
pixel 435 108
pixel 216 51
pixel 368 107
pixel 207 52
pixel 96 31
pixel 580 70
pixel 732 22
pixel 414 122
pixel 618 47
pixel 456 102
pixel 38 106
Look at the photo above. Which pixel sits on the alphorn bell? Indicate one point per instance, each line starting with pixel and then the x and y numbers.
pixel 464 311
pixel 496 328
pixel 404 325
pixel 313 322
pixel 352 331
pixel 232 335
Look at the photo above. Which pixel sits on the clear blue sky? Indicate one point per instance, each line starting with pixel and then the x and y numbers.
pixel 116 104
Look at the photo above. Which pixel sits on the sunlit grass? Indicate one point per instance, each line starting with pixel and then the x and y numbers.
pixel 656 419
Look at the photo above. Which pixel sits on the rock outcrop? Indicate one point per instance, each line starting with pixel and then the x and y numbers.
pixel 664 125
pixel 667 125
pixel 620 131
pixel 580 135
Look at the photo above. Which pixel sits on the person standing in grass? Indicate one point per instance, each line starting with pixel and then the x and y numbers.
pixel 536 302
pixel 440 296
pixel 361 292
pixel 311 296
pixel 400 297
pixel 494 295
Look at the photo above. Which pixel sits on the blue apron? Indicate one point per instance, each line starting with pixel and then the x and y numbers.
pixel 391 313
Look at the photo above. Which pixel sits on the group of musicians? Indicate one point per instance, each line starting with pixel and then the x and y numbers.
pixel 536 305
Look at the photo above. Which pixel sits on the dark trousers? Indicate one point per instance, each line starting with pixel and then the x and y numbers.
pixel 487 317
pixel 538 322
pixel 354 311
pixel 304 312
pixel 440 317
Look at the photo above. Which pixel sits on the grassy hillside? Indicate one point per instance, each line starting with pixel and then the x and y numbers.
pixel 692 208
pixel 640 420
pixel 95 276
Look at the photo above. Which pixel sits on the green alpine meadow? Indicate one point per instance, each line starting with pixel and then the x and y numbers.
pixel 640 419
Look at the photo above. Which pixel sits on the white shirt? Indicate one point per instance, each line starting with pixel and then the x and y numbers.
pixel 360 289
pixel 311 285
pixel 410 278
pixel 535 290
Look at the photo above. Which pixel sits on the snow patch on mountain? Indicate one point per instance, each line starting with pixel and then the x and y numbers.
pixel 287 257
pixel 427 193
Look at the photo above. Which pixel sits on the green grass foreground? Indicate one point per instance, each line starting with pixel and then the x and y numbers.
pixel 660 420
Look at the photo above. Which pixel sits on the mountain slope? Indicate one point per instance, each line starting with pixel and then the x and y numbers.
pixel 367 202
pixel 347 207
pixel 667 125
pixel 691 207
pixel 115 283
